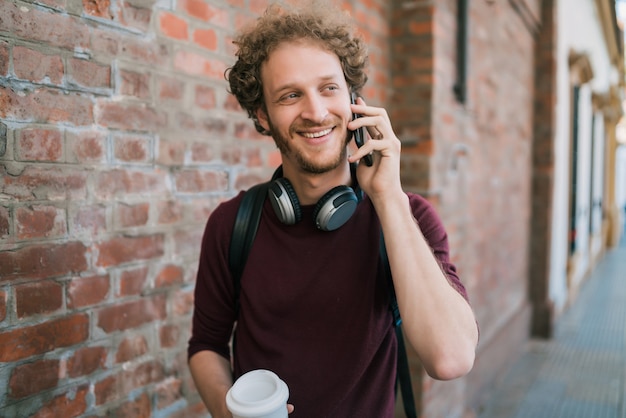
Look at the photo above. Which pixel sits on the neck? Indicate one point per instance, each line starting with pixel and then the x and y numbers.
pixel 311 187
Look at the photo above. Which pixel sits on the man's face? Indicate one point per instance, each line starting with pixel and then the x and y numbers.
pixel 308 106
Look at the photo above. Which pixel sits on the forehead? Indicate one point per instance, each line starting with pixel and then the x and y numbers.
pixel 299 62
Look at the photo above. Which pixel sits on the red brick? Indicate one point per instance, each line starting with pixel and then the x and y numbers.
pixel 71 404
pixel 98 8
pixel 129 116
pixel 132 282
pixel 87 291
pixel 36 66
pixel 137 408
pixel 126 249
pixel 173 26
pixel 131 348
pixel 245 130
pixel 231 103
pixel 5 222
pixel 169 335
pixel 135 84
pixel 187 241
pixel 46 105
pixel 116 183
pixel 201 209
pixel 86 361
pixel 121 384
pixel 424 27
pixel 46 26
pixel 171 152
pixel 205 97
pixel 202 152
pixel 170 88
pixel 183 302
pixel 106 43
pixel 38 182
pixel 43 261
pixel 40 222
pixel 88 220
pixel 145 51
pixel 169 275
pixel 28 341
pixel 32 378
pixel 89 74
pixel 132 149
pixel 206 38
pixel 258 7
pixel 132 215
pixel 169 212
pixel 207 12
pixel 38 298
pixel 86 147
pixel 197 181
pixel 37 144
pixel 195 64
pixel 134 16
pixel 132 314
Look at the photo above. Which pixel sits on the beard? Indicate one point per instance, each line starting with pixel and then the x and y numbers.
pixel 307 164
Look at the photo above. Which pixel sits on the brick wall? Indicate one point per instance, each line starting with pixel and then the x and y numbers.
pixel 117 140
pixel 473 161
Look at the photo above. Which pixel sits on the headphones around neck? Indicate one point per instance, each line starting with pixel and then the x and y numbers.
pixel 331 211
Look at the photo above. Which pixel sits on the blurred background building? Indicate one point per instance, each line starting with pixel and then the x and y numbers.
pixel 118 139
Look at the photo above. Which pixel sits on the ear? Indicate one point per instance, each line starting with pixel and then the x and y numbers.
pixel 261 115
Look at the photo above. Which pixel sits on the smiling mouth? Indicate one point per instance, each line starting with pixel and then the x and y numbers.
pixel 316 134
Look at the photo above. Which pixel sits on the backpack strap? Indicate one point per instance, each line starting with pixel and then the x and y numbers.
pixel 403 373
pixel 244 232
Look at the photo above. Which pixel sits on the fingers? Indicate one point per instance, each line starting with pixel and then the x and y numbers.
pixel 374 119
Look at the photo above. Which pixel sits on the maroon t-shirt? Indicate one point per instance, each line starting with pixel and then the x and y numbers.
pixel 314 307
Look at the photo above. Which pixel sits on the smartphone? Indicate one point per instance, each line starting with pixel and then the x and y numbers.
pixel 359 134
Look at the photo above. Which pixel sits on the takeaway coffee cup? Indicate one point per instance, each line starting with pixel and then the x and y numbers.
pixel 258 394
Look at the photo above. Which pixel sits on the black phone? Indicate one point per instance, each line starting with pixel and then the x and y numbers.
pixel 359 134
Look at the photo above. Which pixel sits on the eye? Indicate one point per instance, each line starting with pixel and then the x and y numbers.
pixel 288 98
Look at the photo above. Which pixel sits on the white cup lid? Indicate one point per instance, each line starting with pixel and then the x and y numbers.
pixel 257 393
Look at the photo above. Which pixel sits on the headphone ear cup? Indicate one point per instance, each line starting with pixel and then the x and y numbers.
pixel 285 201
pixel 335 208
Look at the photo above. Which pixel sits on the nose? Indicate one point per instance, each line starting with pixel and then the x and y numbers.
pixel 314 108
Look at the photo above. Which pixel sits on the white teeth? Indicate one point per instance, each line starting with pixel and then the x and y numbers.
pixel 316 134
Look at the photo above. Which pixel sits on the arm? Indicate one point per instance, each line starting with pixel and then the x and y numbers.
pixel 212 376
pixel 438 321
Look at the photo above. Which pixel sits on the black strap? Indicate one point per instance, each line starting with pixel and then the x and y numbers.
pixel 402 370
pixel 244 232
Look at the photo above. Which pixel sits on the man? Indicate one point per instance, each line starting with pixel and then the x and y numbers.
pixel 314 303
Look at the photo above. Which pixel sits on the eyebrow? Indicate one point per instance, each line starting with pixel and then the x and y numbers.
pixel 294 86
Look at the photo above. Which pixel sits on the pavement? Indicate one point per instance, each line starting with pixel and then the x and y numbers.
pixel 581 371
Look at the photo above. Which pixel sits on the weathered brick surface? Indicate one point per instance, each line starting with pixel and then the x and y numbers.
pixel 26 341
pixel 118 139
pixel 31 378
pixel 38 298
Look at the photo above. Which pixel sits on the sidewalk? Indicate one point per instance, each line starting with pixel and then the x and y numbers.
pixel 581 372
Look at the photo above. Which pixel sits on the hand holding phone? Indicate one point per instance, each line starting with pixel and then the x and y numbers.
pixel 359 134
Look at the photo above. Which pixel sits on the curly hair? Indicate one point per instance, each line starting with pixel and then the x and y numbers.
pixel 329 27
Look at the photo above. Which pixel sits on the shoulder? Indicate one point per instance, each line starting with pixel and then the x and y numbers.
pixel 222 218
